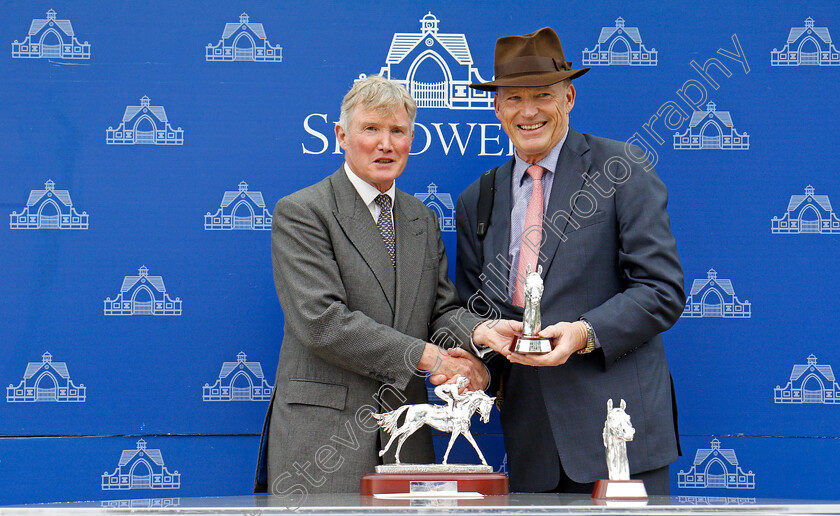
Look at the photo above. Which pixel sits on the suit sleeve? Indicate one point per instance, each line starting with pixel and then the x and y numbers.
pixel 314 302
pixel 468 267
pixel 451 325
pixel 654 296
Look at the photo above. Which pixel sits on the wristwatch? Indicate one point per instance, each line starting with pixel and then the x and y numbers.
pixel 590 338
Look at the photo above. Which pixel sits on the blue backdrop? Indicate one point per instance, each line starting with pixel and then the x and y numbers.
pixel 144 147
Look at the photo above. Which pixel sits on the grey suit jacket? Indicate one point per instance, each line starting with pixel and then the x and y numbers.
pixel 354 331
pixel 614 263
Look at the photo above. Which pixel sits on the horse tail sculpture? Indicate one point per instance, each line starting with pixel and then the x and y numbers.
pixel 388 420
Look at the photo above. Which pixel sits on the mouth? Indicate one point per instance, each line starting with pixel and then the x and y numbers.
pixel 383 161
pixel 531 127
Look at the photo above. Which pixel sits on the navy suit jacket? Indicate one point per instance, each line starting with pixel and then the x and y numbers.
pixel 613 261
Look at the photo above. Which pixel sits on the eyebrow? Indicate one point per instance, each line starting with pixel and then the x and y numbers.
pixel 379 123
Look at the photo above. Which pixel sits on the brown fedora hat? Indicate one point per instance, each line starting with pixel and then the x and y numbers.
pixel 534 59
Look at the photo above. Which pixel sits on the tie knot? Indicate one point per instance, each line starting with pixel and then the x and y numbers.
pixel 535 171
pixel 383 201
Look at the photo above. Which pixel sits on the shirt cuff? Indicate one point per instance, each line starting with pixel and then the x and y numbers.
pixel 481 352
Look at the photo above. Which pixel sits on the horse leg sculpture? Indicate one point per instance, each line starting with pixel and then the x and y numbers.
pixel 469 437
pixel 453 436
pixel 391 440
pixel 409 427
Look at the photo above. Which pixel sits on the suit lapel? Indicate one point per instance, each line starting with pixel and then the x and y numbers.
pixel 574 160
pixel 411 251
pixel 354 218
pixel 497 241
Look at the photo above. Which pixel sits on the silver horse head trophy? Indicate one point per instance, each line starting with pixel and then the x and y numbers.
pixel 530 341
pixel 617 431
pixel 533 290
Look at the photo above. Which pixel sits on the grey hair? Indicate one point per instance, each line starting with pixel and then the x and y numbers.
pixel 376 92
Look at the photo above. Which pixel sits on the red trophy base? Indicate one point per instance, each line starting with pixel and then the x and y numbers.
pixel 619 490
pixel 484 483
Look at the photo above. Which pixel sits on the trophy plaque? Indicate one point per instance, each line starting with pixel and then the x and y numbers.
pixel 617 431
pixel 530 341
pixel 436 480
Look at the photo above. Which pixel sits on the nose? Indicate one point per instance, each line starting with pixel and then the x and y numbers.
pixel 529 108
pixel 385 143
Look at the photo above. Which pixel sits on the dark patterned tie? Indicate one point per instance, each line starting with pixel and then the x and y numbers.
pixel 386 225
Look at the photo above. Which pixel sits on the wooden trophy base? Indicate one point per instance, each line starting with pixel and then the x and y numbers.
pixel 532 344
pixel 385 483
pixel 619 490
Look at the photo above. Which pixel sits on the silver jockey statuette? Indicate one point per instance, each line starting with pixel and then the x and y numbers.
pixel 454 417
pixel 530 341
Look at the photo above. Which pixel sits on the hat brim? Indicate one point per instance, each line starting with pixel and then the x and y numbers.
pixel 531 79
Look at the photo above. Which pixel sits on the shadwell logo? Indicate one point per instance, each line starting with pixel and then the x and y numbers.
pixel 436 68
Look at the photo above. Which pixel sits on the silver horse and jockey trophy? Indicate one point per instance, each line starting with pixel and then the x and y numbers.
pixel 530 341
pixel 454 418
pixel 617 432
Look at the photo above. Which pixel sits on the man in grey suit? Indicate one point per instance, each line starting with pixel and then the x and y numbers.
pixel 592 214
pixel 361 274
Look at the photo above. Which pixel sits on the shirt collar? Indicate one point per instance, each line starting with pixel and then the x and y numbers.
pixel 548 162
pixel 367 191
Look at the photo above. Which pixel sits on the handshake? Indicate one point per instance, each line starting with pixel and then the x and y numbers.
pixel 445 365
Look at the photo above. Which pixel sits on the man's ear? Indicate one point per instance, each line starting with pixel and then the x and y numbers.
pixel 341 136
pixel 570 98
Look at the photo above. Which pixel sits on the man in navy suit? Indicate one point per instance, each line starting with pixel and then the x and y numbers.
pixel 592 214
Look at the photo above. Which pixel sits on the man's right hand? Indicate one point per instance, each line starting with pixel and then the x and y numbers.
pixel 497 334
pixel 445 365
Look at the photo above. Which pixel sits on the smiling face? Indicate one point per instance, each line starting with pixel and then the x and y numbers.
pixel 376 144
pixel 535 118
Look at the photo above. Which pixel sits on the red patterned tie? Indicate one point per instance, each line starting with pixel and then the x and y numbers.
pixel 529 247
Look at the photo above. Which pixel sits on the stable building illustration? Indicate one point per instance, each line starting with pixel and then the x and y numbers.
pixel 807 213
pixel 240 209
pixel 239 381
pixel 48 209
pixel 144 125
pixel 807 46
pixel 143 295
pixel 715 500
pixel 716 468
pixel 713 297
pixel 50 39
pixel 620 45
pixel 435 68
pixel 809 383
pixel 711 130
pixel 46 381
pixel 141 468
pixel 244 41
pixel 503 468
pixel 146 503
pixel 441 204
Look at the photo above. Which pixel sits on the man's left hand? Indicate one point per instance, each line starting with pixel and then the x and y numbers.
pixel 566 339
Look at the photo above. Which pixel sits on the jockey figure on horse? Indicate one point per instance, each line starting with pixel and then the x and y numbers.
pixel 454 417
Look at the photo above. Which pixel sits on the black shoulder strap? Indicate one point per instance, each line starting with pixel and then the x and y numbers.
pixel 486 193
